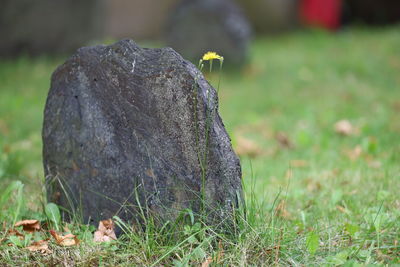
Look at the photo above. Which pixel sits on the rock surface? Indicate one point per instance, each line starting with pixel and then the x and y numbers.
pixel 198 26
pixel 124 123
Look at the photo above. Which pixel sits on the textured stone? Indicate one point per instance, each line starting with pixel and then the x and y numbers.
pixel 124 123
pixel 198 26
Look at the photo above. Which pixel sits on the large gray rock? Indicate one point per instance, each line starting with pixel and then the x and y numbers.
pixel 198 26
pixel 123 123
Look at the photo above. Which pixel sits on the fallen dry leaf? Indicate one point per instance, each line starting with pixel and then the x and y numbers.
pixel 29 225
pixel 261 128
pixel 384 256
pixel 298 163
pixel 396 106
pixel 397 204
pixel 342 209
pixel 150 173
pixel 355 191
pixel 344 127
pixel 251 71
pixel 207 262
pixel 7 149
pixel 354 154
pixel 376 164
pixel 41 246
pixel 10 232
pixel 14 232
pixel 66 240
pixel 66 229
pixel 289 173
pixel 247 147
pixel 312 185
pixel 220 254
pixel 283 140
pixel 281 210
pixel 105 231
pixel 4 130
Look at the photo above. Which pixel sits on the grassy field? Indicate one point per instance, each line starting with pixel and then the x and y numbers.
pixel 314 196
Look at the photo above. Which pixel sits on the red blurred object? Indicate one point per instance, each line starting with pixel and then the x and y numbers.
pixel 321 13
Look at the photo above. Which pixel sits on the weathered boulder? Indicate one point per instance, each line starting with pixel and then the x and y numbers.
pixel 198 26
pixel 128 128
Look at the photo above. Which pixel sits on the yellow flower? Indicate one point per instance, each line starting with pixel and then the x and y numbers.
pixel 211 56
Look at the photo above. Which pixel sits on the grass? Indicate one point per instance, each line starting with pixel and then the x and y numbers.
pixel 314 197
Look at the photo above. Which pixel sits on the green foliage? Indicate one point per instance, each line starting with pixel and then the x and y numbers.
pixel 53 214
pixel 11 202
pixel 312 242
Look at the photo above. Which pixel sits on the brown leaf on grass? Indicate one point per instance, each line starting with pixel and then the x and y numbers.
pixel 376 164
pixel 150 173
pixel 247 147
pixel 66 229
pixel 75 166
pixel 220 253
pixel 262 128
pixel 281 210
pixel 105 232
pixel 353 192
pixel 342 209
pixel 383 256
pixel 345 128
pixel 298 163
pixel 41 246
pixel 14 232
pixel 7 149
pixel 396 106
pixel 11 232
pixel 29 225
pixel 4 130
pixel 354 154
pixel 289 174
pixel 65 240
pixel 312 185
pixel 207 262
pixel 397 204
pixel 283 140
pixel 251 71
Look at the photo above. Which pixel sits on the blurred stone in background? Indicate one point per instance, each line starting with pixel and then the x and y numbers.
pixel 198 26
pixel 137 19
pixel 269 16
pixel 48 26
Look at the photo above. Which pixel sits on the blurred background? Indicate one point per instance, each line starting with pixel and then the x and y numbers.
pixel 294 69
pixel 54 26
